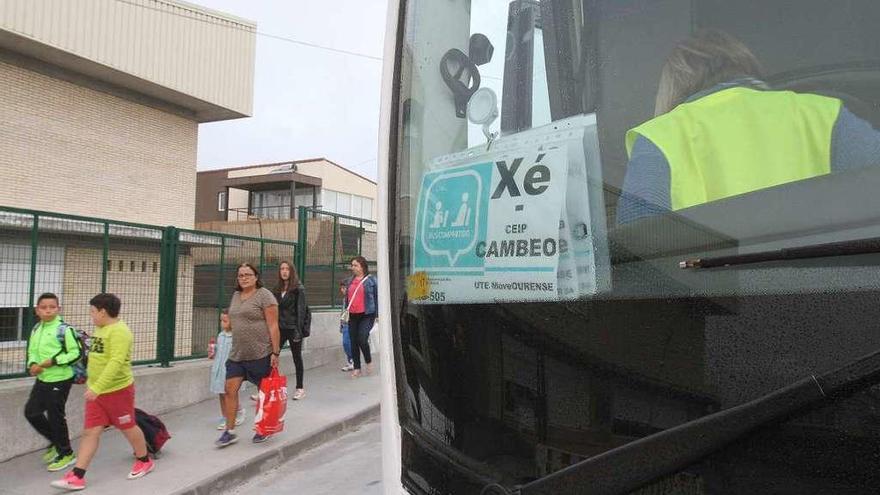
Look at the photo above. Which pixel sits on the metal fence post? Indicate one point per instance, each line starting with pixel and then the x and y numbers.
pixel 262 254
pixel 333 262
pixel 302 241
pixel 221 286
pixel 167 296
pixel 29 319
pixel 360 248
pixel 105 255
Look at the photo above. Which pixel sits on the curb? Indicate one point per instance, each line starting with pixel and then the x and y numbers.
pixel 277 455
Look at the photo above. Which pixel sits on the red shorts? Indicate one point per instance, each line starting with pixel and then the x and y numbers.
pixel 115 408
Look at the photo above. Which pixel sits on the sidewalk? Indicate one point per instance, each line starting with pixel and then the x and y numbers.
pixel 190 464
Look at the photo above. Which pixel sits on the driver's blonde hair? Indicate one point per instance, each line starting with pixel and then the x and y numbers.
pixel 706 58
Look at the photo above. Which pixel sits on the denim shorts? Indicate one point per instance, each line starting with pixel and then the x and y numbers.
pixel 252 371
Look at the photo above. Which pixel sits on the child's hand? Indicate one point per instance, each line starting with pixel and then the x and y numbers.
pixel 35 370
pixel 46 364
pixel 89 395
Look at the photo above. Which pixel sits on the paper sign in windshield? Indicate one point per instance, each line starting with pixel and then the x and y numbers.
pixel 490 230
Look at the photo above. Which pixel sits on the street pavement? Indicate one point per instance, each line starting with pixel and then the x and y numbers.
pixel 351 464
pixel 190 464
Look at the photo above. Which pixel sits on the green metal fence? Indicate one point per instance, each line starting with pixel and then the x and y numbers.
pixel 172 282
pixel 329 241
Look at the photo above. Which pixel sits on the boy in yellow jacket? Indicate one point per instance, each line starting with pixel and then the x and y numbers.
pixel 109 395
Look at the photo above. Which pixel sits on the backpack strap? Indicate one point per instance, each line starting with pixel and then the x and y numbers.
pixel 62 336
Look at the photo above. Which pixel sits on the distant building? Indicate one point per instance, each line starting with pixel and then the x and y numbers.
pixel 274 191
pixel 262 201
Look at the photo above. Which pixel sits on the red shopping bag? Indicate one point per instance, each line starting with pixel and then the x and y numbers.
pixel 271 404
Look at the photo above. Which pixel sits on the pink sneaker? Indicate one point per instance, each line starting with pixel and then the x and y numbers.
pixel 140 468
pixel 70 482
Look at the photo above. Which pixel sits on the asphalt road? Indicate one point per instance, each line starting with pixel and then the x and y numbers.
pixel 350 464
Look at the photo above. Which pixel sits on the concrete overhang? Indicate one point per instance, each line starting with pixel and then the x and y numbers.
pixel 198 110
pixel 271 182
pixel 165 53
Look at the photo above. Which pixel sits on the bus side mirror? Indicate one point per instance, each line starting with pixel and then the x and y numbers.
pixel 461 76
pixel 480 49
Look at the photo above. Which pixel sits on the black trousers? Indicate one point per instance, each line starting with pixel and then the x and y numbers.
pixel 45 411
pixel 296 350
pixel 359 326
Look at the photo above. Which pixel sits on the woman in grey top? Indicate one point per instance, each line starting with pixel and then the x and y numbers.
pixel 256 341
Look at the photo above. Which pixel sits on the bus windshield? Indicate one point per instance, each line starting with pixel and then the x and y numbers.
pixel 612 220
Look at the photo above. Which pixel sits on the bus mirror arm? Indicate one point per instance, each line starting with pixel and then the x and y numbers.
pixel 626 468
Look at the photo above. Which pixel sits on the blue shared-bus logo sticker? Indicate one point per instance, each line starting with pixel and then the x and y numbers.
pixel 452 214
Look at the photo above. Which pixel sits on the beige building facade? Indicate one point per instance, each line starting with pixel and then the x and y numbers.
pixel 100 106
pixel 98 154
pixel 102 100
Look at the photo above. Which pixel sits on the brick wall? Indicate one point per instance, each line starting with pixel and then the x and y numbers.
pixel 132 279
pixel 138 288
pixel 71 149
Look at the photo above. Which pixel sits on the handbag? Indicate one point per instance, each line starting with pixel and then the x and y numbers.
pixel 343 317
pixel 271 404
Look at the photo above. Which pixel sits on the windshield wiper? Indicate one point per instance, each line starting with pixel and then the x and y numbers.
pixel 842 248
pixel 642 461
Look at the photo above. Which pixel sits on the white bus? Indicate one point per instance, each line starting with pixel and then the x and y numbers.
pixel 631 246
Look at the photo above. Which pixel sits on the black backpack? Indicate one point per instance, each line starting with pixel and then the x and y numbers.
pixel 307 323
pixel 306 327
pixel 154 430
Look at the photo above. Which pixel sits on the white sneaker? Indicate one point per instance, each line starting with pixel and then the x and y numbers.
pixel 299 394
pixel 348 367
pixel 240 417
pixel 239 420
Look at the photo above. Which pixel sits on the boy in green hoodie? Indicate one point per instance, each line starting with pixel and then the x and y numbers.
pixel 49 361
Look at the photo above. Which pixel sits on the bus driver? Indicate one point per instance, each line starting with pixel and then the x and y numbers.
pixel 719 131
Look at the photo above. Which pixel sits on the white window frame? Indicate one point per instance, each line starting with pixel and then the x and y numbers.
pixel 19 339
pixel 367 208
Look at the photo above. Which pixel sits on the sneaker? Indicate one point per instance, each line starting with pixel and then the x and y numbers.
pixel 239 420
pixel 260 438
pixel 299 394
pixel 227 438
pixel 240 417
pixel 70 482
pixel 140 468
pixel 50 455
pixel 61 462
pixel 348 367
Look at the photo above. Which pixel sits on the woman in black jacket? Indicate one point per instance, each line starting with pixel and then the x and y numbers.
pixel 291 296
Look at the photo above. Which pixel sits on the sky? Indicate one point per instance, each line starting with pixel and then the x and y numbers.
pixel 308 102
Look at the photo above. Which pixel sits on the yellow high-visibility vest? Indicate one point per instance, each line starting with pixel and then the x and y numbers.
pixel 740 140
